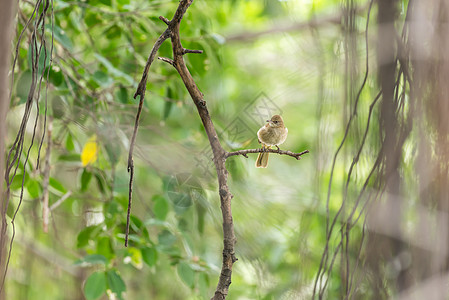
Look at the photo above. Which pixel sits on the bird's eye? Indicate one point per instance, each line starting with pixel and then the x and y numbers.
pixel 276 122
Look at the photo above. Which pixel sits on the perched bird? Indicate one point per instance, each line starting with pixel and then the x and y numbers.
pixel 273 133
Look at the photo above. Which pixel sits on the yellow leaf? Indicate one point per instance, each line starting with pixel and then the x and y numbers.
pixel 90 151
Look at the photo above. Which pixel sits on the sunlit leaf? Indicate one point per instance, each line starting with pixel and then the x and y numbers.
pixel 90 151
pixel 85 235
pixel 54 183
pixel 136 257
pixel 104 247
pixel 33 188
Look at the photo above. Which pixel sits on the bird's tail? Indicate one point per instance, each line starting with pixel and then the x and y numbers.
pixel 262 160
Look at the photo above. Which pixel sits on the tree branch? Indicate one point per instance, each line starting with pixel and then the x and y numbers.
pixel 281 152
pixel 141 88
pixel 192 51
pixel 167 60
pixel 219 154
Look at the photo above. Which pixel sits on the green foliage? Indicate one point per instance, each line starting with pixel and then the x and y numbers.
pixel 95 286
pixel 175 242
pixel 149 256
pixel 186 273
pixel 116 283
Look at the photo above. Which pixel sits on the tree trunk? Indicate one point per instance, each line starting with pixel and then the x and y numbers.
pixel 7 13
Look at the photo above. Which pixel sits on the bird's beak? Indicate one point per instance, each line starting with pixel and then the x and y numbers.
pixel 268 120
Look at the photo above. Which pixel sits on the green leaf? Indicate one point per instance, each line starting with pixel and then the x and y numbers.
pixel 16 184
pixel 56 77
pixel 166 238
pixel 54 183
pixel 60 36
pixel 113 151
pixel 167 109
pixel 58 106
pixel 160 207
pixel 203 283
pixel 33 188
pixel 136 257
pixel 23 86
pixel 113 70
pixel 122 95
pixel 123 2
pixel 122 201
pixel 187 274
pixel 85 235
pixel 168 105
pixel 183 225
pixel 69 145
pixel 70 157
pixel 86 176
pixel 104 247
pixel 113 32
pixel 136 222
pixel 105 2
pixel 116 283
pixel 103 79
pixel 201 214
pixel 92 19
pixel 100 182
pixel 93 259
pixel 95 286
pixel 149 255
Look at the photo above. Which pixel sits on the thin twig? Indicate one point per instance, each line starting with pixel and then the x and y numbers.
pixel 60 200
pixel 46 180
pixel 281 152
pixel 167 60
pixel 192 51
pixel 140 92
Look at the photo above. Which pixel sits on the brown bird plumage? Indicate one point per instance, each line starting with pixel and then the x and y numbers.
pixel 273 133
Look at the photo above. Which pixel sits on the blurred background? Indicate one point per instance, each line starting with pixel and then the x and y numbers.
pixel 360 84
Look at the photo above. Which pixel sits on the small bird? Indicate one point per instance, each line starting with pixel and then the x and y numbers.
pixel 273 133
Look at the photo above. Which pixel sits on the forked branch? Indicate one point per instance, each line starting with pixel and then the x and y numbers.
pixel 219 154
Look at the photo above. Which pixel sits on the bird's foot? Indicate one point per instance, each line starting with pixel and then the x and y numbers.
pixel 278 148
